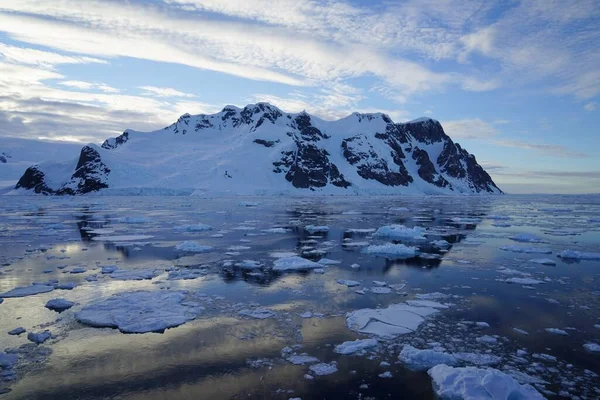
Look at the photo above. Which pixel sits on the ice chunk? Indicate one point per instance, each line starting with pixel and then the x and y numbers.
pixel 477 358
pixel 397 319
pixel 487 339
pixel 258 313
pixel 276 230
pixel 17 331
pixel 27 291
pixel 348 282
pixel 386 374
pixel 316 228
pixel 59 304
pixel 327 261
pixel 357 345
pixel 400 232
pixel 294 263
pixel 140 311
pixel 543 261
pixel 65 285
pixel 8 360
pixel 390 250
pixel 39 337
pixel 470 383
pixel 323 369
pixel 523 281
pixel 526 238
pixel 465 220
pixel 421 360
pixel 302 359
pixel 193 228
pixel 592 347
pixel 426 303
pixel 442 244
pixel 191 246
pixel 108 269
pixel 432 296
pixel 556 331
pixel 521 249
pixel 249 264
pixel 381 290
pixel 520 331
pixel 579 255
pixel 133 275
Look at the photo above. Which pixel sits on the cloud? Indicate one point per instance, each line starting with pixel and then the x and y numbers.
pixel 543 148
pixel 89 86
pixel 163 92
pixel 591 106
pixel 473 128
pixel 45 59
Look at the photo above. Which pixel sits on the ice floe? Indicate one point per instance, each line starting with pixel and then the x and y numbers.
pixel 348 282
pixel 578 255
pixel 316 228
pixel 526 238
pixel 355 346
pixel 522 281
pixel 592 347
pixel 294 263
pixel 140 311
pixel 421 360
pixel 121 238
pixel 323 369
pixel 257 313
pixel 400 232
pixel 59 304
pixel 522 249
pixel 543 261
pixel 397 319
pixel 17 331
pixel 193 228
pixel 391 250
pixel 133 274
pixel 470 383
pixel 556 331
pixel 27 291
pixel 191 246
pixel 39 337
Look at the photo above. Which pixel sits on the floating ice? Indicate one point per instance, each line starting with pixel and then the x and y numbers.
pixel 323 369
pixel 134 220
pixel 432 296
pixel 391 250
pixel 185 274
pixel 426 303
pixel 386 374
pixel 316 228
pixel 326 261
pixel 397 319
pixel 348 282
pixel 294 263
pixel 400 232
pixel 477 358
pixel 133 275
pixel 276 230
pixel 521 331
pixel 543 261
pixel 442 244
pixel 249 264
pixel 556 331
pixel 522 281
pixel 579 255
pixel 487 339
pixel 465 220
pixel 121 238
pixel 470 383
pixel 59 304
pixel 193 228
pixel 302 359
pixel 108 269
pixel 258 313
pixel 354 346
pixel 421 360
pixel 509 271
pixel 526 238
pixel 381 290
pixel 140 312
pixel 65 285
pixel 27 291
pixel 8 360
pixel 17 331
pixel 191 246
pixel 521 249
pixel 39 337
pixel 77 270
pixel 360 230
pixel 592 347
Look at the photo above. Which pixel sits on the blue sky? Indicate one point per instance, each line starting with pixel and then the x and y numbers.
pixel 517 83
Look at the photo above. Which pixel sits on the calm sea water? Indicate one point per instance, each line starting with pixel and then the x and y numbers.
pixel 222 354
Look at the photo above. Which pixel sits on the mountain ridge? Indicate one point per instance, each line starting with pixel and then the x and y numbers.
pixel 260 149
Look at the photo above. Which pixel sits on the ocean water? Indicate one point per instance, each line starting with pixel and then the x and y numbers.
pixel 242 323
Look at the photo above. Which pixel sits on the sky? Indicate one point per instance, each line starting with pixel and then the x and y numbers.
pixel 517 83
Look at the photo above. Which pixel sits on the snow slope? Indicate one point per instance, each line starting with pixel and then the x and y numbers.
pixel 262 150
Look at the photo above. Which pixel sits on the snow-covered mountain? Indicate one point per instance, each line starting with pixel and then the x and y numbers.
pixel 262 150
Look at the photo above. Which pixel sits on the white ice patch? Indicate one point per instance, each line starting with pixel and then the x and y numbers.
pixel 426 303
pixel 249 264
pixel 521 249
pixel 193 228
pixel 316 228
pixel 327 261
pixel 592 347
pixel 276 230
pixel 323 369
pixel 470 383
pixel 526 238
pixel 477 358
pixel 140 312
pixel 191 246
pixel 348 282
pixel 421 360
pixel 543 261
pixel 27 291
pixel 441 244
pixel 400 232
pixel 556 331
pixel 390 250
pixel 397 319
pixel 358 345
pixel 302 359
pixel 579 255
pixel 522 281
pixel 466 220
pixel 294 263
